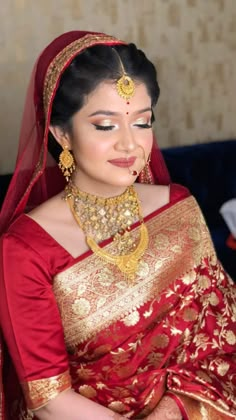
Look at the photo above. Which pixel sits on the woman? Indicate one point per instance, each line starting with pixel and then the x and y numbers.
pixel 113 304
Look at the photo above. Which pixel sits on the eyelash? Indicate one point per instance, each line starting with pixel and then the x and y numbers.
pixel 110 127
pixel 103 127
pixel 143 125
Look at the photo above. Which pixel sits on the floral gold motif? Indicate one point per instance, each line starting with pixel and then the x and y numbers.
pixel 213 299
pixel 160 341
pixel 190 314
pixel 230 338
pixel 87 391
pixel 131 319
pixel 223 368
pixel 81 307
pixel 117 406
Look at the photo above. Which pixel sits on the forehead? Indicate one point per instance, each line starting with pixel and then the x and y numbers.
pixel 106 96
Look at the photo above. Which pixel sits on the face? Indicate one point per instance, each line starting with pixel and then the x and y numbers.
pixel 111 138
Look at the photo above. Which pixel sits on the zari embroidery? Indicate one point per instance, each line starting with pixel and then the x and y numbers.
pixel 171 330
pixel 197 407
pixel 92 295
pixel 204 412
pixel 65 56
pixel 39 392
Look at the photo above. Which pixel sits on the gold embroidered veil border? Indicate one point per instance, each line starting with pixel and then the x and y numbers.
pixel 64 57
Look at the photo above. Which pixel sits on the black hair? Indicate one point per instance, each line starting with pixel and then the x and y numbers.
pixel 87 70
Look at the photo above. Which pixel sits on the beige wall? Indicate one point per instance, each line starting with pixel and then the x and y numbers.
pixel 192 43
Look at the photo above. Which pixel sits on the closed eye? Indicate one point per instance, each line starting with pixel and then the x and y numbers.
pixel 103 127
pixel 143 125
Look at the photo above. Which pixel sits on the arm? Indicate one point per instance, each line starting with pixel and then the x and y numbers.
pixel 34 335
pixel 71 406
pixel 167 409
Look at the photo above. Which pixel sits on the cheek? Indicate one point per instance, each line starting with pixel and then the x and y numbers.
pixel 87 142
pixel 92 150
pixel 146 140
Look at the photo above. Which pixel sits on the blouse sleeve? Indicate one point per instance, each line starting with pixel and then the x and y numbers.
pixel 31 322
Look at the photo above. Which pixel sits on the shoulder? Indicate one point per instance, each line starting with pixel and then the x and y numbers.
pixel 29 237
pixel 53 216
pixel 178 192
pixel 23 242
pixel 154 197
pixel 59 228
pixel 51 208
pixel 22 255
pixel 24 227
pixel 20 232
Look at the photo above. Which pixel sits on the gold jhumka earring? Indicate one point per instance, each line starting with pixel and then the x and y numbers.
pixel 66 162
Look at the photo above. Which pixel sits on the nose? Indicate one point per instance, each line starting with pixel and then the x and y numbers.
pixel 126 141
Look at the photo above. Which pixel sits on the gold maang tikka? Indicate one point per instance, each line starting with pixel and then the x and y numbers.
pixel 125 85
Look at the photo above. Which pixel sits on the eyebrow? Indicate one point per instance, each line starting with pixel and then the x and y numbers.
pixel 111 113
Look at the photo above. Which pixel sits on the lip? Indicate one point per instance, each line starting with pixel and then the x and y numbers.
pixel 123 162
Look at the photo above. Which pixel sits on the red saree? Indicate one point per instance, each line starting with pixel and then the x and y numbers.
pixel 74 322
pixel 37 176
pixel 123 347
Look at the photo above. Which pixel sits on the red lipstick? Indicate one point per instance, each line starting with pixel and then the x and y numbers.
pixel 123 162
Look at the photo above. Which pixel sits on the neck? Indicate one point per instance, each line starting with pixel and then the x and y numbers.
pixel 97 188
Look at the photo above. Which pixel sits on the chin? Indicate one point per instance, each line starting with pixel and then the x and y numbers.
pixel 124 181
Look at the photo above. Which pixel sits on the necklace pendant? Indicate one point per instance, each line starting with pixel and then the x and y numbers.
pixel 103 218
pixel 128 265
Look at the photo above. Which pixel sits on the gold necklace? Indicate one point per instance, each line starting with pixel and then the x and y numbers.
pixel 101 218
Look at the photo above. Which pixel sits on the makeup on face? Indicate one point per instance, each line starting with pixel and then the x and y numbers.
pixel 141 119
pixel 123 162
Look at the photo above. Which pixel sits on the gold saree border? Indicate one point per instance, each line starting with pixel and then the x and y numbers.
pixel 101 296
pixel 40 391
pixel 198 408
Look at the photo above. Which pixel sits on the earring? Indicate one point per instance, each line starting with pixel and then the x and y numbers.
pixel 66 162
pixel 146 176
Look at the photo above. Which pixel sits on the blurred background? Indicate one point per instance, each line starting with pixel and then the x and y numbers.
pixel 191 42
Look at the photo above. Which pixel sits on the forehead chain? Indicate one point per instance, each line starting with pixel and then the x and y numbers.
pixel 124 85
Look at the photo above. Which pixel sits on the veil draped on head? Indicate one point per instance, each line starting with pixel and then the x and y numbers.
pixel 37 176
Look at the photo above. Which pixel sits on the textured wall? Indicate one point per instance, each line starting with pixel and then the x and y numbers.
pixel 192 43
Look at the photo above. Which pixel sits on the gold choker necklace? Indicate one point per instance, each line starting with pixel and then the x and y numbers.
pixel 101 218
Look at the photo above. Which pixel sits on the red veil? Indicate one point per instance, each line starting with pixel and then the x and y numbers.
pixel 37 176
